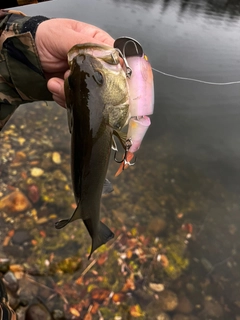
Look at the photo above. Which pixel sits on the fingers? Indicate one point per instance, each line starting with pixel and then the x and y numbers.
pixel 56 87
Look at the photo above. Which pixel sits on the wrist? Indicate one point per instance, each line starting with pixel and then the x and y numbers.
pixel 32 24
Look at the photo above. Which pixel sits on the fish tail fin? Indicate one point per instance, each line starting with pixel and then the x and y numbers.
pixel 76 215
pixel 104 235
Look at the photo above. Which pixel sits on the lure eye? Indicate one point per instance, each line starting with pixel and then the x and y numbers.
pixel 98 77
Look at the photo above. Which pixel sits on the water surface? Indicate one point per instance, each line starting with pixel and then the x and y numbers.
pixel 188 167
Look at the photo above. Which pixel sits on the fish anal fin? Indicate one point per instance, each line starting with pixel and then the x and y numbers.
pixel 104 235
pixel 77 214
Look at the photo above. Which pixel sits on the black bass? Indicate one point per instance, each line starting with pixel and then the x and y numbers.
pixel 97 102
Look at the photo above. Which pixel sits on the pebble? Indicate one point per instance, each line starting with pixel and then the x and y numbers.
pixel 212 308
pixel 15 202
pixel 167 300
pixel 11 281
pixel 21 236
pixel 37 311
pixel 163 316
pixel 58 314
pixel 36 172
pixel 56 157
pixel 184 305
pixel 180 316
pixel 156 226
pixel 158 287
pixel 4 265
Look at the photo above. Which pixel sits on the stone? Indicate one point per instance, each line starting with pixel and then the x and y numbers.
pixel 167 300
pixel 184 305
pixel 56 157
pixel 36 172
pixel 15 202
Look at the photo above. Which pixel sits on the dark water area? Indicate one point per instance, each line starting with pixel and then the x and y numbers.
pixel 185 181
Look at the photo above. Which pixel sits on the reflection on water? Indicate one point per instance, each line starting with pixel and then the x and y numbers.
pixel 215 9
pixel 175 214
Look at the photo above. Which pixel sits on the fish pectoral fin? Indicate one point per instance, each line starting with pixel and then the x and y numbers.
pixel 77 214
pixel 107 187
pixel 103 236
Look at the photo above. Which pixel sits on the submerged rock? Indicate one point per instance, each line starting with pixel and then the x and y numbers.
pixel 38 311
pixel 184 305
pixel 167 300
pixel 15 202
pixel 36 172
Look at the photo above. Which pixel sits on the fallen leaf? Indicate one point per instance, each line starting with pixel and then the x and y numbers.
pixel 136 311
pixel 75 312
pixel 99 294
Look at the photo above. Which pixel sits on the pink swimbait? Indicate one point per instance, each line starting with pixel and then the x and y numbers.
pixel 141 95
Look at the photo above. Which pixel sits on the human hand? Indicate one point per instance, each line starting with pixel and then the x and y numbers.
pixel 54 38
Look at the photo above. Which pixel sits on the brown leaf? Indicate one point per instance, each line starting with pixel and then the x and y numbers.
pixel 129 284
pixel 75 312
pixel 136 311
pixel 88 316
pixel 118 297
pixel 103 257
pixel 95 308
pixel 99 294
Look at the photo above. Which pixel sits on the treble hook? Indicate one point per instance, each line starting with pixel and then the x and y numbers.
pixel 128 69
pixel 125 156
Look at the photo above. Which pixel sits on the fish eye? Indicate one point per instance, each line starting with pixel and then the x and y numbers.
pixel 98 77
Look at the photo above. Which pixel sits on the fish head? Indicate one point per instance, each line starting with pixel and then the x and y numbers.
pixel 102 65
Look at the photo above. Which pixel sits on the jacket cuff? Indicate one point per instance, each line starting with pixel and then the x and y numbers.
pixel 22 60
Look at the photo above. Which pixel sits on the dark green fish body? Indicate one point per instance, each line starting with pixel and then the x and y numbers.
pixel 97 103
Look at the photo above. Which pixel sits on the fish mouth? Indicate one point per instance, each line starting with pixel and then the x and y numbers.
pixel 103 52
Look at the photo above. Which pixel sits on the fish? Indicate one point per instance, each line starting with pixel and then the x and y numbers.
pixel 97 102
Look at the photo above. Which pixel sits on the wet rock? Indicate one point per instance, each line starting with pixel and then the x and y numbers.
pixel 212 308
pixel 179 316
pixel 36 172
pixel 21 236
pixel 184 305
pixel 21 311
pixel 59 175
pixel 13 299
pixel 163 316
pixel 168 300
pixel 157 287
pixel 156 226
pixel 37 311
pixel 56 157
pixel 11 281
pixel 58 315
pixel 15 202
pixel 4 265
pixel 33 193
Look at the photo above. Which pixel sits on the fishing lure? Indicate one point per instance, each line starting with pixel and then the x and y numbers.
pixel 141 96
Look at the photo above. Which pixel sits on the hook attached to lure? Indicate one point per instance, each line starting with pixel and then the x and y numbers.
pixel 128 47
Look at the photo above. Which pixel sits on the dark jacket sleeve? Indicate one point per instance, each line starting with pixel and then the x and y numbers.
pixel 21 76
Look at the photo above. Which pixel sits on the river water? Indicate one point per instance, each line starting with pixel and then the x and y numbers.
pixel 190 158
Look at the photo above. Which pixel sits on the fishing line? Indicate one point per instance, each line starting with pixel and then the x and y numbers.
pixel 197 80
